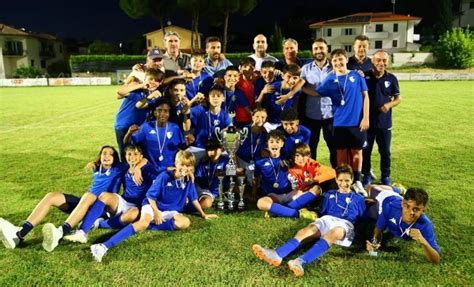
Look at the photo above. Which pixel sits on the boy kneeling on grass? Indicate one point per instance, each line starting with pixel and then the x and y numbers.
pixel 341 209
pixel 404 218
pixel 162 207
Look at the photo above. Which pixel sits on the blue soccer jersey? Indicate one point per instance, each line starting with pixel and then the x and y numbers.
pixel 207 125
pixel 391 218
pixel 160 144
pixel 128 114
pixel 381 91
pixel 107 180
pixel 233 99
pixel 170 193
pixel 260 84
pixel 273 175
pixel 274 109
pixel 301 136
pixel 136 193
pixel 193 87
pixel 354 64
pixel 206 174
pixel 346 95
pixel 252 144
pixel 348 206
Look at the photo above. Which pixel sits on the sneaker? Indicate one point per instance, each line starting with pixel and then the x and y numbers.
pixel 366 181
pixel 359 188
pixel 386 180
pixel 98 251
pixel 51 236
pixel 305 213
pixel 401 189
pixel 296 265
pixel 268 255
pixel 79 236
pixel 372 174
pixel 97 222
pixel 8 233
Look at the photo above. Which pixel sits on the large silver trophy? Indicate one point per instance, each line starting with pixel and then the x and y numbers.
pixel 231 139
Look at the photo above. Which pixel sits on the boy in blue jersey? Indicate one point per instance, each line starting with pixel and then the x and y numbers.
pixel 124 207
pixel 340 210
pixel 294 132
pixel 263 84
pixel 207 182
pixel 279 198
pixel 233 97
pixel 282 95
pixel 252 143
pixel 133 92
pixel 163 206
pixel 384 95
pixel 160 139
pixel 348 93
pixel 208 123
pixel 404 218
pixel 197 74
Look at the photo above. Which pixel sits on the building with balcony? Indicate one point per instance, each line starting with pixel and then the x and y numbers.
pixel 155 38
pixel 385 30
pixel 19 47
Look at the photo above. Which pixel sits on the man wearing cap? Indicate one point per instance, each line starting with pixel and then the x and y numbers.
pixel 260 46
pixel 174 59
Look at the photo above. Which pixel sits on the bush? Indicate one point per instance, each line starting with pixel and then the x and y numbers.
pixel 455 49
pixel 28 72
pixel 58 68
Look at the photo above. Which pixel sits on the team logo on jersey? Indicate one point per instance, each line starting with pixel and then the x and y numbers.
pixel 297 141
pixel 352 79
pixel 152 132
pixel 336 81
pixel 332 196
pixel 387 84
pixel 267 164
pixel 367 77
pixel 169 135
pixel 169 184
pixel 392 220
pixel 216 122
pixel 348 200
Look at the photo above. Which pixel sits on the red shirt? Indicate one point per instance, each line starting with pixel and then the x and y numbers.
pixel 246 87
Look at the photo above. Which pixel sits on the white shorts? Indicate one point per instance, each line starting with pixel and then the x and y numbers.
pixel 328 222
pixel 202 191
pixel 270 127
pixel 165 215
pixel 123 205
pixel 285 197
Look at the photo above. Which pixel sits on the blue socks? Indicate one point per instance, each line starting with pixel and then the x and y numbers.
pixel 120 236
pixel 167 225
pixel 357 175
pixel 316 251
pixel 25 229
pixel 290 246
pixel 302 200
pixel 292 210
pixel 94 212
pixel 112 223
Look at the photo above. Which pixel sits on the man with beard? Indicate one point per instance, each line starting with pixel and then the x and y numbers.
pixel 215 60
pixel 317 111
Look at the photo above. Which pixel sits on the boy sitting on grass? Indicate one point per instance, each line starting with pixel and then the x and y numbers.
pixel 341 209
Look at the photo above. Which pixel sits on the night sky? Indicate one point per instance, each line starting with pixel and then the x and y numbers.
pixel 103 19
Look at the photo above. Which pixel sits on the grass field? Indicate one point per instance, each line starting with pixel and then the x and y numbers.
pixel 48 134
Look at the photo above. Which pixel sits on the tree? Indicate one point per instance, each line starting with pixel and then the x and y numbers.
pixel 157 9
pixel 228 8
pixel 99 47
pixel 455 49
pixel 276 39
pixel 195 8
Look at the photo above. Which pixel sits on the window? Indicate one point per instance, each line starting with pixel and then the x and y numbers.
pixel 60 48
pixel 471 5
pixel 378 44
pixel 379 28
pixel 32 63
pixel 348 48
pixel 329 48
pixel 348 31
pixel 395 27
pixel 43 64
pixel 329 32
pixel 149 43
pixel 394 43
pixel 13 48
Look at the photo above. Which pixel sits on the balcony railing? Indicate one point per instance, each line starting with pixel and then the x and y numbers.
pixel 13 52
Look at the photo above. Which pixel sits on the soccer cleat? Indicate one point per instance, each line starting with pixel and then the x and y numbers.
pixel 305 213
pixel 268 255
pixel 8 234
pixel 296 265
pixel 359 188
pixel 97 222
pixel 367 180
pixel 51 236
pixel 98 251
pixel 78 236
pixel 386 180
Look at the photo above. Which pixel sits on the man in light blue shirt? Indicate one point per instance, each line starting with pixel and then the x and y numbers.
pixel 317 112
pixel 215 60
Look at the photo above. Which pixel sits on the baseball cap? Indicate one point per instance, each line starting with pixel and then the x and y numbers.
pixel 154 53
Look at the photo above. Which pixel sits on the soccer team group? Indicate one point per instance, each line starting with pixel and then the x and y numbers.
pixel 170 125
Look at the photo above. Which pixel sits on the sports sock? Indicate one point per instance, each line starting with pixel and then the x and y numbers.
pixel 120 236
pixel 66 228
pixel 112 223
pixel 94 212
pixel 315 252
pixel 290 246
pixel 356 175
pixel 25 229
pixel 167 225
pixel 302 200
pixel 283 211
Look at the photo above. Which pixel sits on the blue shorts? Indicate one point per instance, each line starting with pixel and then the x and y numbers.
pixel 349 138
pixel 71 201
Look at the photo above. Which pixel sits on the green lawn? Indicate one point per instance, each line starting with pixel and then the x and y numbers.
pixel 48 134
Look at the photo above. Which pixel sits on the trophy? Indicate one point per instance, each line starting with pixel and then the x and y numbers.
pixel 231 141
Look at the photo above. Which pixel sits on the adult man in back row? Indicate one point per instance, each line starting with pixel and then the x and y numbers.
pixel 359 61
pixel 174 59
pixel 260 46
pixel 215 60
